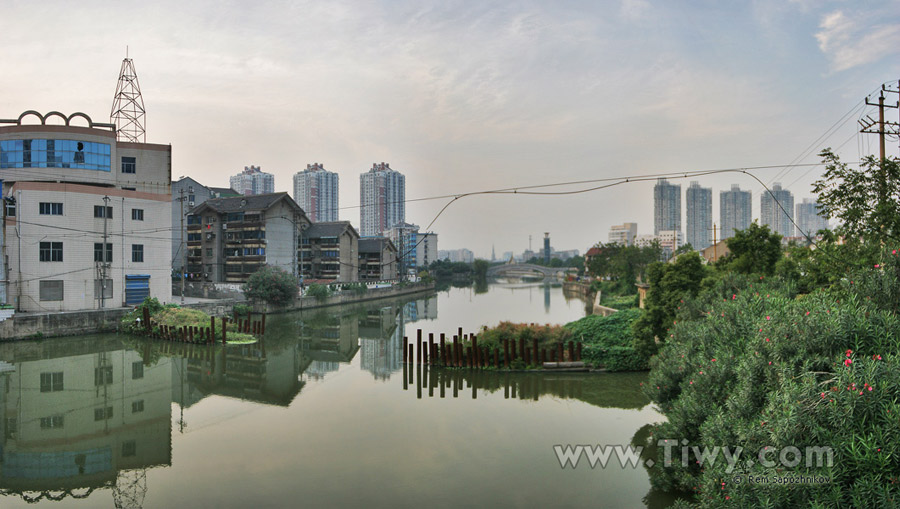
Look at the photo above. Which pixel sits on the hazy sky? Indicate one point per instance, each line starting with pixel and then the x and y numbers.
pixel 469 96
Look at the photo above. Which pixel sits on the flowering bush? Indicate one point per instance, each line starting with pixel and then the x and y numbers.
pixel 753 364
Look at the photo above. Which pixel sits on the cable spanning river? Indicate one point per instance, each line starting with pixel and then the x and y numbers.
pixel 315 415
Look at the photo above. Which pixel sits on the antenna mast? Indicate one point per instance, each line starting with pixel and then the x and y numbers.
pixel 128 107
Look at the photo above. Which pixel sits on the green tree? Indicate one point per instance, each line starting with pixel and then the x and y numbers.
pixel 670 284
pixel 480 267
pixel 755 250
pixel 272 285
pixel 865 199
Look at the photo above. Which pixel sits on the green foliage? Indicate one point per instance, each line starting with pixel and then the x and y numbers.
pixel 480 267
pixel 755 250
pixel 175 316
pixel 272 285
pixel 547 335
pixel 623 265
pixel 241 309
pixel 320 292
pixel 619 301
pixel 355 288
pixel 670 284
pixel 608 341
pixel 751 363
pixel 865 199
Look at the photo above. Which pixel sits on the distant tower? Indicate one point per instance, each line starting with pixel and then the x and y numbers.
pixel 546 247
pixel 493 254
pixel 128 107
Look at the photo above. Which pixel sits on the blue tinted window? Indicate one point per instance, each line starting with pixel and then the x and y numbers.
pixel 40 153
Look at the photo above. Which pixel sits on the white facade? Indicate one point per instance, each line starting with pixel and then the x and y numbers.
pixel 463 255
pixel 62 188
pixel 316 191
pixel 253 181
pixel 623 234
pixel 426 249
pixel 382 200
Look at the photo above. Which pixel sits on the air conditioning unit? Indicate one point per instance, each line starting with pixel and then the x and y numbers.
pixel 190 204
pixel 224 226
pixel 210 236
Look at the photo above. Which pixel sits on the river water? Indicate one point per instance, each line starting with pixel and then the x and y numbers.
pixel 321 413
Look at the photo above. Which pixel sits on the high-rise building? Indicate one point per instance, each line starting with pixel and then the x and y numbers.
pixel 777 210
pixel 316 191
pixel 623 234
pixel 809 221
pixel 546 247
pixel 699 215
pixel 253 181
pixel 666 206
pixel 382 199
pixel 735 210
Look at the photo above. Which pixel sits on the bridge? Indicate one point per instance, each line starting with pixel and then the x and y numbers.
pixel 523 269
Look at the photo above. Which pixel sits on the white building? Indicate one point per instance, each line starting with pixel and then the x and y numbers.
pixel 253 181
pixel 382 200
pixel 623 234
pixel 463 255
pixel 69 190
pixel 316 191
pixel 426 249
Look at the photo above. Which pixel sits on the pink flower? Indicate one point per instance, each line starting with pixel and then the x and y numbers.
pixel 767 340
pixel 870 387
pixel 807 313
pixel 714 360
pixel 768 318
pixel 876 265
pixel 894 252
pixel 733 296
pixel 848 362
pixel 849 352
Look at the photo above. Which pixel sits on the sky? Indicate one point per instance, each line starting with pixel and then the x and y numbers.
pixel 474 96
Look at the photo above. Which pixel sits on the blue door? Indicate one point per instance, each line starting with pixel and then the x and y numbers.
pixel 137 288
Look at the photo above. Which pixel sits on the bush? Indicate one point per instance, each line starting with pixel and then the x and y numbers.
pixel 608 341
pixel 241 309
pixel 272 285
pixel 320 292
pixel 752 364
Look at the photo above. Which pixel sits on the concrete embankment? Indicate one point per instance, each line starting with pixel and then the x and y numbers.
pixel 73 323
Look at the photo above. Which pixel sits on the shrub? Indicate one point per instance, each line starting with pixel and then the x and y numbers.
pixel 320 292
pixel 608 341
pixel 751 364
pixel 272 285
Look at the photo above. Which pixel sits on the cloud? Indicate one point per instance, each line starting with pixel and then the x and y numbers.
pixel 634 10
pixel 848 43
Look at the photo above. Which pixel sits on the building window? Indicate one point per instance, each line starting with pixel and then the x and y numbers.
pixel 137 406
pixel 103 288
pixel 51 290
pixel 54 421
pixel 99 211
pixel 51 208
pixel 137 370
pixel 194 236
pixel 103 375
pixel 44 153
pixel 98 252
pixel 52 382
pixel 192 219
pixel 209 251
pixel 137 253
pixel 129 165
pixel 137 214
pixel 129 448
pixel 102 414
pixel 51 251
pixel 191 198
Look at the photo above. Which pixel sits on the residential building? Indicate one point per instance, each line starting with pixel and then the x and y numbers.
pixel 382 200
pixel 666 206
pixel 330 252
pixel 405 236
pixel 699 215
pixel 228 239
pixel 645 240
pixel 592 253
pixel 91 213
pixel 462 255
pixel 316 191
pixel 377 259
pixel 735 211
pixel 187 193
pixel 623 234
pixel 809 220
pixel 715 252
pixel 253 181
pixel 670 241
pixel 426 249
pixel 777 210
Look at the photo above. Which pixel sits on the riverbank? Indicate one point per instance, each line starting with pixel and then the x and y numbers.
pixel 71 323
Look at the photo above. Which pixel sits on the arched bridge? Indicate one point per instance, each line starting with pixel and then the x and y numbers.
pixel 522 269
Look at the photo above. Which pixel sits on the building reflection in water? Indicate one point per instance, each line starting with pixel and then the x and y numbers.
pixel 381 334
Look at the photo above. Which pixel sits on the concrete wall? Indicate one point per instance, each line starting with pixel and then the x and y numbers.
pixel 349 256
pixel 78 230
pixel 281 238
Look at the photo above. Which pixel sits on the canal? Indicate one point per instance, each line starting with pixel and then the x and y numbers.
pixel 318 414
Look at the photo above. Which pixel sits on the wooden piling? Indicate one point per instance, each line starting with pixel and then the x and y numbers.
pixel 419 348
pixel 506 353
pixel 469 356
pixel 559 351
pixel 146 313
pixel 443 353
pixel 522 348
pixel 405 343
pixel 224 329
pixel 571 351
pixel 264 323
pixel 477 352
pixel 528 356
pixel 578 351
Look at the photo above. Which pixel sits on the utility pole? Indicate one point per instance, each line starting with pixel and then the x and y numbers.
pixel 883 127
pixel 183 250
pixel 104 261
pixel 715 244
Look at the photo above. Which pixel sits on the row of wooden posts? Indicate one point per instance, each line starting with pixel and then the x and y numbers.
pixel 203 335
pixel 457 355
pixel 523 386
